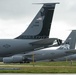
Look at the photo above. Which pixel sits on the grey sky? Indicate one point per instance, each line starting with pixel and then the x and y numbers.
pixel 15 16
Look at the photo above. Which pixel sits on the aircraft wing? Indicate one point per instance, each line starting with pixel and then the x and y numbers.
pixel 49 42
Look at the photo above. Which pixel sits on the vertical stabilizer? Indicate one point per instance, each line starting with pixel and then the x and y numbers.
pixel 40 26
pixel 69 42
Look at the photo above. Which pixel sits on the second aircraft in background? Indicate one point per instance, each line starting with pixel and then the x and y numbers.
pixel 68 48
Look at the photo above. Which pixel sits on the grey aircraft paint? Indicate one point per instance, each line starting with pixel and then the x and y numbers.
pixel 64 50
pixel 40 26
pixel 68 48
pixel 66 58
pixel 37 30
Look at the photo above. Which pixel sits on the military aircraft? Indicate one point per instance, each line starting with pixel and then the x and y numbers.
pixel 67 48
pixel 66 58
pixel 35 36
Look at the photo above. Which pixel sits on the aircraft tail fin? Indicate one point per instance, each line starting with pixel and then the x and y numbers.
pixel 40 26
pixel 70 41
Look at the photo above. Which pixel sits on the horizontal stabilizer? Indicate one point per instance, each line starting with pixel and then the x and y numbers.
pixel 46 42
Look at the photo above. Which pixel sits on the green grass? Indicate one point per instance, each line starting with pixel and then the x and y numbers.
pixel 40 67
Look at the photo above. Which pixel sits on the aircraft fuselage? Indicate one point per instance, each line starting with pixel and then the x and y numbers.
pixel 14 46
pixel 49 54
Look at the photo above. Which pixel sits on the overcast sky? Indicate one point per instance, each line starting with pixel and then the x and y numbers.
pixel 16 15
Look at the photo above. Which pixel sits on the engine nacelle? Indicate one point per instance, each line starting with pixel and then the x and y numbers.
pixel 14 59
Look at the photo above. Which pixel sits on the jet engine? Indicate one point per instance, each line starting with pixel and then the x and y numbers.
pixel 16 59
